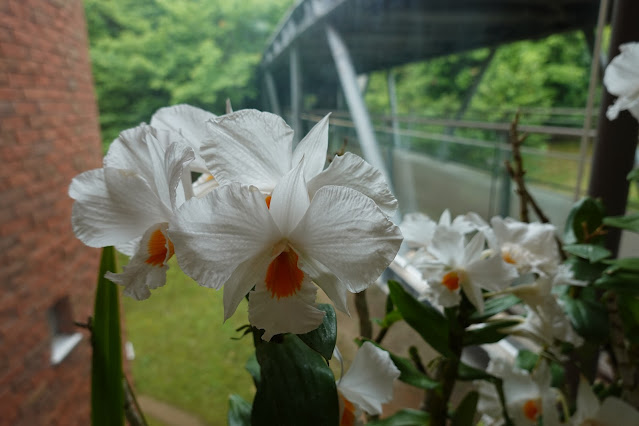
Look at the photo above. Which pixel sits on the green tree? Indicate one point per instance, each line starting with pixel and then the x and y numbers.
pixel 150 54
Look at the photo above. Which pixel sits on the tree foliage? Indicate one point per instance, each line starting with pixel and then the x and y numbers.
pixel 155 53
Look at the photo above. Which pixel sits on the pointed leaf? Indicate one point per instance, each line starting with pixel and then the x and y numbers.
pixel 490 333
pixel 424 319
pixel 467 373
pixel 296 385
pixel 591 252
pixel 465 412
pixel 494 306
pixel 239 411
pixel 107 392
pixel 628 264
pixel 629 222
pixel 633 175
pixel 411 375
pixel 253 367
pixel 588 315
pixel 405 417
pixel 625 282
pixel 588 212
pixel 323 338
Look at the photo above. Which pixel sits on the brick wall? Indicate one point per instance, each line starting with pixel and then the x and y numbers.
pixel 48 134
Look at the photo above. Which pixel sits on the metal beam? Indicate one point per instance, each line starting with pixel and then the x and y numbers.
pixel 272 93
pixel 355 101
pixel 296 93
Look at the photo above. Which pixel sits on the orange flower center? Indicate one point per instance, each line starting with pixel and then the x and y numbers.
pixel 348 416
pixel 508 258
pixel 157 248
pixel 283 277
pixel 268 201
pixel 451 280
pixel 531 409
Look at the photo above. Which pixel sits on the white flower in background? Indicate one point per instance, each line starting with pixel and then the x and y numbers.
pixel 545 323
pixel 418 229
pixel 128 203
pixel 530 247
pixel 458 265
pixel 367 384
pixel 612 412
pixel 528 397
pixel 190 123
pixel 340 240
pixel 622 80
pixel 255 148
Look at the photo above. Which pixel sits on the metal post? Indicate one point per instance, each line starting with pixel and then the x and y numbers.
pixel 355 101
pixel 392 100
pixel 296 93
pixel 614 153
pixel 272 93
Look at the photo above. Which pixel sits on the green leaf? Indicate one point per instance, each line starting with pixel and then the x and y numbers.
pixel 107 392
pixel 494 306
pixel 296 385
pixel 629 313
pixel 239 411
pixel 584 270
pixel 490 333
pixel 465 412
pixel 424 319
pixel 591 252
pixel 620 281
pixel 253 367
pixel 391 318
pixel 323 338
pixel 466 373
pixel 628 264
pixel 405 417
pixel 526 360
pixel 411 375
pixel 634 174
pixel 588 316
pixel 629 222
pixel 586 211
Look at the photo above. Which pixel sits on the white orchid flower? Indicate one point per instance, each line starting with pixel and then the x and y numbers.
pixel 530 247
pixel 190 123
pixel 255 148
pixel 128 203
pixel 622 79
pixel 458 265
pixel 367 384
pixel 418 229
pixel 545 323
pixel 340 240
pixel 612 412
pixel 528 397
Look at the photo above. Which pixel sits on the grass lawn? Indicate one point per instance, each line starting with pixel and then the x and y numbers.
pixel 184 355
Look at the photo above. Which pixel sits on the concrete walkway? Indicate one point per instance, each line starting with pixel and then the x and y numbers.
pixel 167 414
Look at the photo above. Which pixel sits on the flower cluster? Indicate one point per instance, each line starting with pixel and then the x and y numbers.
pixel 622 79
pixel 259 219
pixel 483 259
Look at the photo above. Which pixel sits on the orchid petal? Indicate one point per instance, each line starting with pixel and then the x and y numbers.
pixel 176 159
pixel 213 235
pixel 113 207
pixel 368 383
pixel 615 411
pixel 313 149
pixel 346 232
pixel 130 152
pixel 324 278
pixel 352 171
pixel 139 276
pixel 248 146
pixel 622 75
pixel 289 200
pixel 243 279
pixel 294 314
pixel 447 245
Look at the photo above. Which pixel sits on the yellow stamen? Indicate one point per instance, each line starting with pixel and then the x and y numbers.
pixel 508 258
pixel 283 277
pixel 157 249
